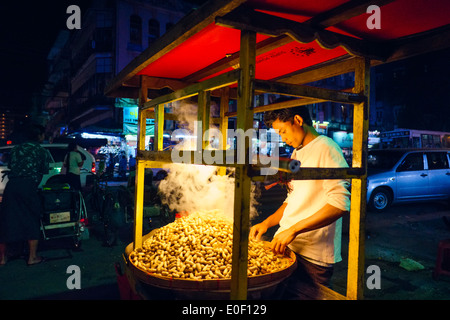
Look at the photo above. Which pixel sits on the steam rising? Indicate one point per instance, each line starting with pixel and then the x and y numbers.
pixel 195 188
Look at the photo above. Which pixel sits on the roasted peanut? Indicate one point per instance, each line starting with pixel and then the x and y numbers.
pixel 198 247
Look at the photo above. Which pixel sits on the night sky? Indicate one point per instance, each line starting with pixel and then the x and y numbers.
pixel 27 32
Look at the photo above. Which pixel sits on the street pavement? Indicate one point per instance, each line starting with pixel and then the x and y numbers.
pixel 403 232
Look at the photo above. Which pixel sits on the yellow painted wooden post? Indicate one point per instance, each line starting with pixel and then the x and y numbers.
pixel 140 167
pixel 242 180
pixel 356 257
pixel 159 127
pixel 204 110
pixel 223 126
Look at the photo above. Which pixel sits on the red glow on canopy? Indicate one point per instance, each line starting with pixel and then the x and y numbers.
pixel 291 57
pixel 401 18
pixel 213 43
pixel 204 48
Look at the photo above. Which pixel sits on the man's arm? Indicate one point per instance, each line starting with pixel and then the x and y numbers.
pixel 259 229
pixel 325 216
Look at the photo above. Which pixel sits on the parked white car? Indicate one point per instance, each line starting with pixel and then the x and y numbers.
pixel 58 151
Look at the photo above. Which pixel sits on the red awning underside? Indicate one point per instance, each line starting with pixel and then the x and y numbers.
pixel 400 18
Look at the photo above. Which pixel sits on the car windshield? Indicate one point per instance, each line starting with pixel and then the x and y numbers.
pixel 383 159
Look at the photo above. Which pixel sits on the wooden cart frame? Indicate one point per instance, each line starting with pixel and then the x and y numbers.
pixel 242 85
pixel 245 173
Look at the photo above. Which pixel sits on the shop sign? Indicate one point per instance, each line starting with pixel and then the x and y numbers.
pixel 343 139
pixel 395 134
pixel 130 121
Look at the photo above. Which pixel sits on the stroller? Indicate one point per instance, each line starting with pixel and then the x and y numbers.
pixel 64 212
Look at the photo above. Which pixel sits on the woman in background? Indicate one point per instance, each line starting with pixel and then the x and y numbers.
pixel 73 162
pixel 21 206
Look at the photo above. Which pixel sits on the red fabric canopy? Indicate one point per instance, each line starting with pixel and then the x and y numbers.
pixel 400 18
pixel 214 43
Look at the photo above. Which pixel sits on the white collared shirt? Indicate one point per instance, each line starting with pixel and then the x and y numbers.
pixel 321 246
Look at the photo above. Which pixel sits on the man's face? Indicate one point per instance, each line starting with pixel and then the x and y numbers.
pixel 291 133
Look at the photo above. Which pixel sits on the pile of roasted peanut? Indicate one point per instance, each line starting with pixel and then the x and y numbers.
pixel 199 247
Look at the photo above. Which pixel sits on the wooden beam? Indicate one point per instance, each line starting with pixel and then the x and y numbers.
pixel 282 105
pixel 307 92
pixel 223 158
pixel 242 186
pixel 263 23
pixel 425 42
pixel 356 258
pixel 343 12
pixel 279 105
pixel 229 158
pixel 167 116
pixel 220 81
pixel 140 169
pixel 160 83
pixel 159 128
pixel 335 67
pixel 309 174
pixel 223 122
pixel 125 92
pixel 224 106
pixel 233 59
pixel 203 115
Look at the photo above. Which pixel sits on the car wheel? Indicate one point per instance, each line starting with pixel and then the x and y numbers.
pixel 380 200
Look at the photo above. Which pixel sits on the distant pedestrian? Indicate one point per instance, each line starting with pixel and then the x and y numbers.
pixel 111 165
pixel 123 167
pixel 73 163
pixel 132 163
pixel 21 207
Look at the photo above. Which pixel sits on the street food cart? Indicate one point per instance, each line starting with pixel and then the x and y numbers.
pixel 236 49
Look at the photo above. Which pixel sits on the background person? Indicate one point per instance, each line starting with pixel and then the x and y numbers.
pixel 21 206
pixel 73 163
pixel 309 219
pixel 123 167
pixel 132 163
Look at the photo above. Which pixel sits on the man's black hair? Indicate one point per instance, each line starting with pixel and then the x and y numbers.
pixel 287 114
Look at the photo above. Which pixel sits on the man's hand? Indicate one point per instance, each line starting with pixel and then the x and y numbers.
pixel 257 231
pixel 281 241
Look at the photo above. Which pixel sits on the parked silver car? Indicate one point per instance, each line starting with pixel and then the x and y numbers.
pixel 407 175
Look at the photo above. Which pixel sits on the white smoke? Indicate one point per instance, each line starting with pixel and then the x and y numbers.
pixel 196 188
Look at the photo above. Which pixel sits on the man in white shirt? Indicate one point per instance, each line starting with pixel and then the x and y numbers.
pixel 310 218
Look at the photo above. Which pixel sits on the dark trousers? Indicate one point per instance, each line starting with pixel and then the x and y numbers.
pixel 304 281
pixel 21 211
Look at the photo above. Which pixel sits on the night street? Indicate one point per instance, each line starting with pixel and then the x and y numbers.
pixel 150 145
pixel 407 231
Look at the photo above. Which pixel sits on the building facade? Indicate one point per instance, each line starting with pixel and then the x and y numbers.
pixel 81 62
